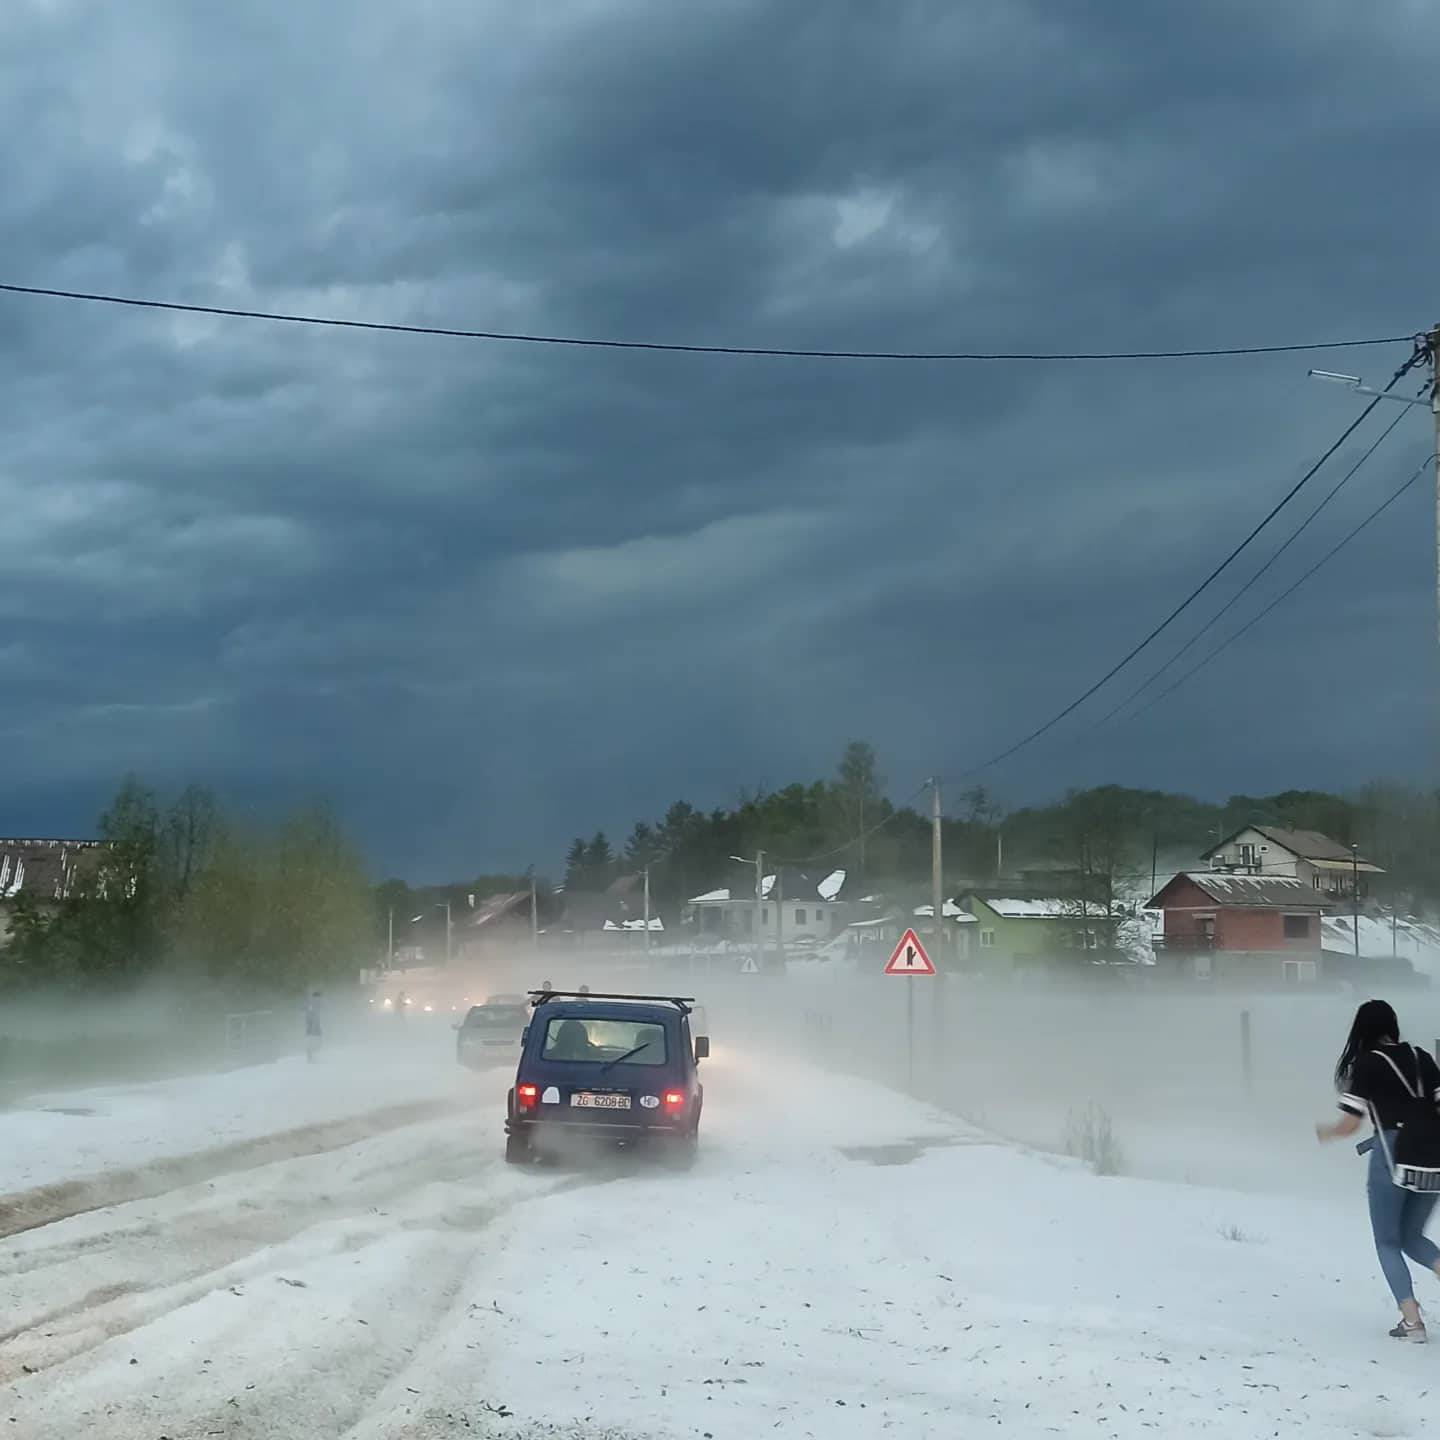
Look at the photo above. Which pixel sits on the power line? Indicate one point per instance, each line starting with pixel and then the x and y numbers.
pixel 1245 588
pixel 590 343
pixel 1250 624
pixel 1205 584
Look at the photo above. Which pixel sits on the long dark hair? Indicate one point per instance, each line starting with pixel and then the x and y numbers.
pixel 1374 1024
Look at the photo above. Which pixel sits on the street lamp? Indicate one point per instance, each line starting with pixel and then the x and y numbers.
pixel 445 906
pixel 759 902
pixel 1355 383
pixel 1430 346
pixel 1355 894
pixel 439 905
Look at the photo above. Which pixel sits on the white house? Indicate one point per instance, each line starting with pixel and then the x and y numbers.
pixel 794 907
pixel 1267 850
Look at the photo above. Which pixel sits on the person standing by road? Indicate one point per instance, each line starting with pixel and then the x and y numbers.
pixel 313 1034
pixel 1381 1078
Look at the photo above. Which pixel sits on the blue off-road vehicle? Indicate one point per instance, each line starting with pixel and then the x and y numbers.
pixel 606 1069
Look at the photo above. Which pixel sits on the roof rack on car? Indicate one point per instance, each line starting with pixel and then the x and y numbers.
pixel 539 997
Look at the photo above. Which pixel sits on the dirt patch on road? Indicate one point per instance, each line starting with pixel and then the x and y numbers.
pixel 45 1204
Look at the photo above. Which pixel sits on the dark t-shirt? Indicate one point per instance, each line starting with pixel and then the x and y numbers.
pixel 1377 1091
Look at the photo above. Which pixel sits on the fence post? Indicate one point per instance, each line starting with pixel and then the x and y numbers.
pixel 1247 1062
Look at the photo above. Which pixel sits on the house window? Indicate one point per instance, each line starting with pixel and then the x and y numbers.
pixel 819 914
pixel 765 916
pixel 800 916
pixel 1249 858
pixel 1315 879
pixel 987 939
pixel 1297 927
pixel 1299 972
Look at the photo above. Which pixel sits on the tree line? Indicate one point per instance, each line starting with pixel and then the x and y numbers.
pixel 1093 841
pixel 188 893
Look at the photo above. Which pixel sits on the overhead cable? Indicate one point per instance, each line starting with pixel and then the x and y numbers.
pixel 602 343
pixel 1119 665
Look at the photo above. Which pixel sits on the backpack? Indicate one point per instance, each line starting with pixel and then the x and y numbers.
pixel 1415 1162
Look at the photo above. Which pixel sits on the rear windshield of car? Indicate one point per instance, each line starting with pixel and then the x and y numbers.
pixel 495 1017
pixel 574 1039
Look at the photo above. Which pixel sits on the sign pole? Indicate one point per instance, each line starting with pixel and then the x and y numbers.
pixel 909 959
pixel 910 1039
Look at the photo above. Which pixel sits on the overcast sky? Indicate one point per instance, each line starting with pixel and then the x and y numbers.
pixel 484 596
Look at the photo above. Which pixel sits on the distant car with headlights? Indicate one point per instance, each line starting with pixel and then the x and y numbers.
pixel 490 1033
pixel 615 1070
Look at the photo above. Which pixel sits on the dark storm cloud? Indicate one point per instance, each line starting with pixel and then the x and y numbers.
pixel 485 596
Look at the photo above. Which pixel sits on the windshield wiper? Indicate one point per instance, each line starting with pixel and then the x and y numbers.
pixel 619 1059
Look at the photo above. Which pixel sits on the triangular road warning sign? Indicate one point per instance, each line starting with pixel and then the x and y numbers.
pixel 909 957
pixel 748 966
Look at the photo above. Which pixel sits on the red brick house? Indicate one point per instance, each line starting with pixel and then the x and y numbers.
pixel 1249 927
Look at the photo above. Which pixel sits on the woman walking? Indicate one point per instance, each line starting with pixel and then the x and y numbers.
pixel 1380 1078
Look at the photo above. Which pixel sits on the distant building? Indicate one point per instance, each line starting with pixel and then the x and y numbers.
pixel 795 906
pixel 878 927
pixel 45 871
pixel 1240 927
pixel 1045 930
pixel 497 921
pixel 1274 853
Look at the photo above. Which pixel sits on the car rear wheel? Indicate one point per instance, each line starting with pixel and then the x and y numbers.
pixel 518 1150
pixel 681 1152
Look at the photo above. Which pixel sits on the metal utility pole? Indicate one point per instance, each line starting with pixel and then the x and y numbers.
pixel 445 904
pixel 759 908
pixel 1355 895
pixel 936 882
pixel 1154 862
pixel 647 907
pixel 390 947
pixel 862 832
pixel 780 913
pixel 534 913
pixel 1432 352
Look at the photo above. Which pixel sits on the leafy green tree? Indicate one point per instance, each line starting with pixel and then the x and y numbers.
pixel 281 911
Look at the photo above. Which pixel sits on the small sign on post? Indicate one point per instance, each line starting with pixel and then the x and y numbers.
pixel 909 957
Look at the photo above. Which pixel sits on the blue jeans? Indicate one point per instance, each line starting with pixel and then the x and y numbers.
pixel 1398 1218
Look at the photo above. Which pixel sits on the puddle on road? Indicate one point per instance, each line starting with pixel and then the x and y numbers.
pixel 902 1152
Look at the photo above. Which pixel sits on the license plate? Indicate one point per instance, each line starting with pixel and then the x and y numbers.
pixel 585 1101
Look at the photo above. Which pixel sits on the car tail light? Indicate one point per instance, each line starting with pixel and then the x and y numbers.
pixel 674 1099
pixel 526 1096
